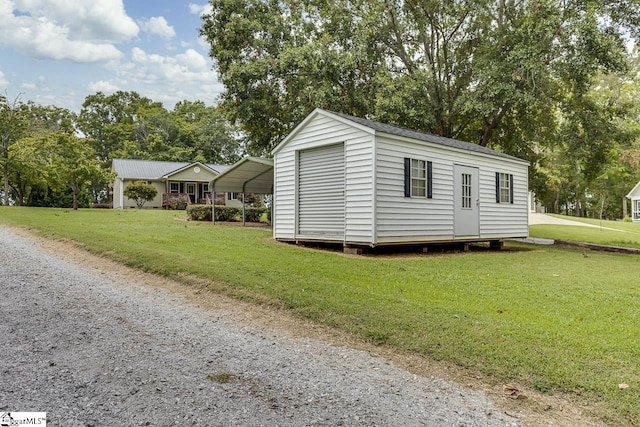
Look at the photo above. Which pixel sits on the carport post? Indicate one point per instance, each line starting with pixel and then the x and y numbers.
pixel 243 209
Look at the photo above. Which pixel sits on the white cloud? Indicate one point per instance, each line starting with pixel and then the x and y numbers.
pixel 103 86
pixel 59 29
pixel 159 27
pixel 200 9
pixel 29 86
pixel 186 67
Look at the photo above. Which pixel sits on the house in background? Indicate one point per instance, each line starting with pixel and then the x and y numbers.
pixel 344 179
pixel 634 196
pixel 173 180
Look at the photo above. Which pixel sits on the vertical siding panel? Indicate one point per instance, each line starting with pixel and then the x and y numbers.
pixel 359 181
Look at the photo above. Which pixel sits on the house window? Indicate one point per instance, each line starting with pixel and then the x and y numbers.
pixel 232 196
pixel 174 187
pixel 466 191
pixel 504 188
pixel 417 178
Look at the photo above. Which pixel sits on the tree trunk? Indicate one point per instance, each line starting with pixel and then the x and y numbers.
pixel 75 189
pixel 5 174
pixel 624 206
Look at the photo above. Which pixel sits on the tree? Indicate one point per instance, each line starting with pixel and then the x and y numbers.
pixel 117 123
pixel 141 192
pixel 74 164
pixel 203 129
pixel 12 128
pixel 490 71
pixel 127 125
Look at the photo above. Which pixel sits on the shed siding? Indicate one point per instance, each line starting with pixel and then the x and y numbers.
pixel 321 131
pixel 359 189
pixel 376 211
pixel 404 219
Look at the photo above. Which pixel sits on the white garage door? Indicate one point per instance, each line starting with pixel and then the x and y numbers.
pixel 321 192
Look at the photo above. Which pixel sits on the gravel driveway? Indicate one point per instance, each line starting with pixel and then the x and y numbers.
pixel 92 350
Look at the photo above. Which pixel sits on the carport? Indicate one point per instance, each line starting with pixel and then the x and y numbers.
pixel 249 175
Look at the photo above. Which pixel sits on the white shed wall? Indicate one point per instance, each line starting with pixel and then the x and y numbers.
pixel 320 131
pixel 405 219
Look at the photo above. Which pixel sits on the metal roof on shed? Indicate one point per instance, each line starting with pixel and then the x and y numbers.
pixel 151 169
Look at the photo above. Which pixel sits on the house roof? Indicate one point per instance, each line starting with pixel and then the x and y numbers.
pixel 634 192
pixel 249 175
pixel 151 169
pixel 377 127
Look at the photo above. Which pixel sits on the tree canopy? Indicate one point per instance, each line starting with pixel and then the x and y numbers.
pixel 491 72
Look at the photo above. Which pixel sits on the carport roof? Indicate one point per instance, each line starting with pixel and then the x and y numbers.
pixel 249 175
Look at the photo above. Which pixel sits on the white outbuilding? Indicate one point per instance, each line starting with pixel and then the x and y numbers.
pixel 344 179
pixel 634 196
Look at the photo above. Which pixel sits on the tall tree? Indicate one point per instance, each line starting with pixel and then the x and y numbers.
pixel 487 71
pixel 74 164
pixel 204 129
pixel 12 127
pixel 114 122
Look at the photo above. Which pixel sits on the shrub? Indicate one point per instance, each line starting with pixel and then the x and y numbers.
pixel 141 192
pixel 228 213
pixel 225 213
pixel 253 214
pixel 199 212
pixel 179 203
pixel 627 219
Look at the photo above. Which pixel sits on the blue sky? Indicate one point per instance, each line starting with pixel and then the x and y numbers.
pixel 56 52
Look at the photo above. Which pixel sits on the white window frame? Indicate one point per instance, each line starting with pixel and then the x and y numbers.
pixel 418 178
pixel 505 188
pixel 232 196
pixel 466 191
pixel 171 188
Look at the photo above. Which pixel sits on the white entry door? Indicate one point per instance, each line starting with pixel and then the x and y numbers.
pixel 466 192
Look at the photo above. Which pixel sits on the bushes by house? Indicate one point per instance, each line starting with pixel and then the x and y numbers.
pixel 225 213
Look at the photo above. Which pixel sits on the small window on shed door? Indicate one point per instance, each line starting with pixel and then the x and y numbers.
pixel 466 191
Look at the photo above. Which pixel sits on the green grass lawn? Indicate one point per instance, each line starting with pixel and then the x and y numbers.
pixel 552 319
pixel 614 233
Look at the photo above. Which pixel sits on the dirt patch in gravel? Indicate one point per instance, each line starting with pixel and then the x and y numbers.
pixel 529 407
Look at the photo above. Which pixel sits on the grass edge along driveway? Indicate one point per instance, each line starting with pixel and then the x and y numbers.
pixel 556 320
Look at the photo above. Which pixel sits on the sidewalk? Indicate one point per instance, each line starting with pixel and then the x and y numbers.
pixel 541 219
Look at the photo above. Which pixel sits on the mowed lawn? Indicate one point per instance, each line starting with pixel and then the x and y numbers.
pixel 614 233
pixel 555 320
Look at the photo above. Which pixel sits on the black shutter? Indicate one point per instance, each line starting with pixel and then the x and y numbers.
pixel 429 180
pixel 511 188
pixel 497 187
pixel 407 177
